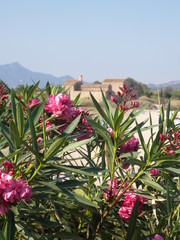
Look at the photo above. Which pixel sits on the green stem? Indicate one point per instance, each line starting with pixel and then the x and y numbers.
pixel 35 172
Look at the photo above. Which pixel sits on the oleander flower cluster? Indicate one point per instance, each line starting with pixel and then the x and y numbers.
pixel 127 98
pixel 12 190
pixel 130 146
pixel 63 112
pixel 127 204
pixel 156 237
pixel 170 142
pixel 3 96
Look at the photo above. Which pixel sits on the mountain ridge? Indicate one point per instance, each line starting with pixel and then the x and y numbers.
pixel 14 74
pixel 173 84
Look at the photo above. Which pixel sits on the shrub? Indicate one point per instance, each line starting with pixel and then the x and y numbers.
pixel 68 175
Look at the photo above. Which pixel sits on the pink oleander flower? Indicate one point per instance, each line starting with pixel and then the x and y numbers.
pixel 9 168
pixel 61 107
pixel 170 152
pixel 3 207
pixel 127 205
pixel 12 190
pixel 3 95
pixel 24 190
pixel 131 146
pixel 47 123
pixel 154 171
pixel 58 105
pixel 33 102
pixel 156 237
pixel 110 131
pixel 113 99
pixel 112 190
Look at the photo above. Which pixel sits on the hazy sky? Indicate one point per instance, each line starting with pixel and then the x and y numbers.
pixel 98 38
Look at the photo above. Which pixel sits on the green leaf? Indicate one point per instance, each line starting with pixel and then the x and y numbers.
pixel 5 132
pixel 32 130
pixel 101 111
pixel 167 115
pixel 150 118
pixel 9 228
pixel 99 129
pixel 125 125
pixel 54 147
pixel 72 125
pixel 75 145
pixel 32 91
pixel 79 170
pixel 132 222
pixel 147 154
pixel 13 105
pixel 35 114
pixel 20 120
pixel 174 115
pixel 161 117
pixel 53 89
pixel 76 100
pixel 105 103
pixel 153 184
pixel 169 180
pixel 81 199
pixel 119 120
pixel 135 161
pixel 2 236
pixel 14 134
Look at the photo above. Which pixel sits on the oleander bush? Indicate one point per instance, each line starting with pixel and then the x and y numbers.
pixel 67 174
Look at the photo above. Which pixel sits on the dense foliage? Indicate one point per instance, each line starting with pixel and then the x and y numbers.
pixel 65 174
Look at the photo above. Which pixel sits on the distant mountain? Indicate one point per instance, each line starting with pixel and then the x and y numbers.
pixel 173 84
pixel 14 74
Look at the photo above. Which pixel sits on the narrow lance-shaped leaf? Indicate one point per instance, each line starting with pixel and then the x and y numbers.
pixel 150 119
pixel 9 228
pixel 147 154
pixel 14 134
pixel 99 129
pixel 101 111
pixel 13 105
pixel 76 100
pixel 106 105
pixel 54 148
pixel 6 134
pixel 76 144
pixel 20 120
pixel 72 125
pixel 32 129
pixel 119 120
pixel 36 113
pixel 32 91
pixel 168 115
pixel 132 222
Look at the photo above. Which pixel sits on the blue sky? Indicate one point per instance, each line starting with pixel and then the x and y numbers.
pixel 98 38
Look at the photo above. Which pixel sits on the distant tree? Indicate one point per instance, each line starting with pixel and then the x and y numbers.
pixel 168 92
pixel 97 82
pixel 176 94
pixel 161 93
pixel 138 86
pixel 148 93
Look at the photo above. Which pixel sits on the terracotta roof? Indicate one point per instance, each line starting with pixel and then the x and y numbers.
pixel 114 80
pixel 70 82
